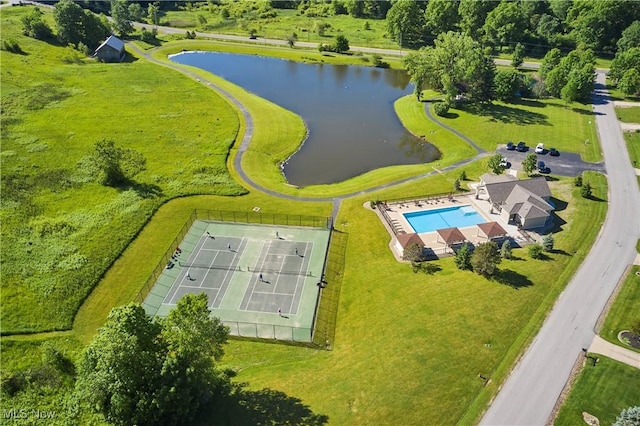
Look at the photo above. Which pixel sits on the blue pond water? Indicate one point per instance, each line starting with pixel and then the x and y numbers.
pixel 348 111
pixel 448 217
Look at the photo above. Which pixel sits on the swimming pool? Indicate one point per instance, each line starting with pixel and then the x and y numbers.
pixel 447 217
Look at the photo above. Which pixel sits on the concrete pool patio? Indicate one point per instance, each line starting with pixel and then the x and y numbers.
pixel 397 225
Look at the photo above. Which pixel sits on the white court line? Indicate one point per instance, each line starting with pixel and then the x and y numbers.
pixel 184 271
pixel 295 291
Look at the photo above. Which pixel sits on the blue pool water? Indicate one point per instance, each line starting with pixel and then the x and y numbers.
pixel 448 217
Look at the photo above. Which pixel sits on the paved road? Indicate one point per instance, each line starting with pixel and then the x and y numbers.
pixel 529 394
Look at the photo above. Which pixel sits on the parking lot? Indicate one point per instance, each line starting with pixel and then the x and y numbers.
pixel 566 164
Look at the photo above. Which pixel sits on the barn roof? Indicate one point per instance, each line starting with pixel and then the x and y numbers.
pixel 113 42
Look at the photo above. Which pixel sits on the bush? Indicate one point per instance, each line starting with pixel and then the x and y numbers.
pixel 535 251
pixel 149 36
pixel 577 181
pixel 341 44
pixel 463 175
pixel 463 258
pixel 441 108
pixel 506 251
pixel 378 62
pixel 10 45
pixel 547 242
pixel 585 191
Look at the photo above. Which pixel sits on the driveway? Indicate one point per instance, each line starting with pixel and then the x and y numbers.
pixel 566 164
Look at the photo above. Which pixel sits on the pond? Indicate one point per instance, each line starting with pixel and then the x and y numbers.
pixel 348 110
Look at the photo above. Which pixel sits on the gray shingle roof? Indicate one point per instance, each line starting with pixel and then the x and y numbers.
pixel 500 191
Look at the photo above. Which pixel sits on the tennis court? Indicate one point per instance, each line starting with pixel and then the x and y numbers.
pixel 261 280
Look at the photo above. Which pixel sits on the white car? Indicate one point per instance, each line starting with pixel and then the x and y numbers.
pixel 539 148
pixel 504 163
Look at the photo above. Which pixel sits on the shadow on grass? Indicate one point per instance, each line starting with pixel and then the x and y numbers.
pixel 509 114
pixel 512 279
pixel 262 407
pixel 144 190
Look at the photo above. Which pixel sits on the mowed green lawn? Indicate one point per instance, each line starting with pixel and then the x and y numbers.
pixel 624 312
pixel 633 146
pixel 411 346
pixel 548 121
pixel 628 115
pixel 603 391
pixel 61 232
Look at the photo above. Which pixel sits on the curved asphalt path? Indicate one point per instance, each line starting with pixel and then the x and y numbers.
pixel 529 394
pixel 248 134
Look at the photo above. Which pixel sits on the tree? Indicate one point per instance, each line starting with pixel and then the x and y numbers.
pixel 624 61
pixel 291 40
pixel 456 62
pixel 628 417
pixel 135 12
pixel 495 165
pixel 629 84
pixel 577 181
pixel 630 37
pixel 68 17
pixel 530 163
pixel 120 371
pixel 405 21
pixel 33 25
pixel 548 242
pixel 441 16
pixel 586 190
pixel 485 258
pixel 96 29
pixel 341 44
pixel 535 251
pixel 508 83
pixel 518 55
pixel 137 371
pixel 152 13
pixel 194 340
pixel 463 258
pixel 121 22
pixel 550 61
pixel 111 165
pixel 506 251
pixel 473 14
pixel 413 253
pixel 504 24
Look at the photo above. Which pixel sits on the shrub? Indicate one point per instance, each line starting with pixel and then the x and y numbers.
pixel 585 191
pixel 341 44
pixel 149 36
pixel 506 251
pixel 535 251
pixel 378 62
pixel 577 181
pixel 463 175
pixel 547 242
pixel 10 45
pixel 463 258
pixel 441 108
pixel 635 327
pixel 456 185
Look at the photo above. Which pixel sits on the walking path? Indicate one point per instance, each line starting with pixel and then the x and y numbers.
pixel 626 356
pixel 246 139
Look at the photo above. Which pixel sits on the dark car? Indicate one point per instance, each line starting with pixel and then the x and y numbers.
pixel 522 147
pixel 542 168
pixel 253 36
pixel 553 152
pixel 510 146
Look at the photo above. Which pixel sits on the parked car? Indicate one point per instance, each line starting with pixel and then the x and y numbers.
pixel 522 147
pixel 542 168
pixel 553 152
pixel 510 146
pixel 253 36
pixel 539 148
pixel 504 163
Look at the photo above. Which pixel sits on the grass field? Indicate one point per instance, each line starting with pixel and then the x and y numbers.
pixel 633 146
pixel 61 232
pixel 601 391
pixel 408 346
pixel 548 121
pixel 624 310
pixel 628 115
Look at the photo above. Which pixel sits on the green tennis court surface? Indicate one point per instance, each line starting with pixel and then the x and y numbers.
pixel 261 281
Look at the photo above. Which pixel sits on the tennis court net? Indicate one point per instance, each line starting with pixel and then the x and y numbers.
pixel 209 266
pixel 278 271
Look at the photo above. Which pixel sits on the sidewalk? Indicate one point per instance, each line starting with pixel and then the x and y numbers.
pixel 602 347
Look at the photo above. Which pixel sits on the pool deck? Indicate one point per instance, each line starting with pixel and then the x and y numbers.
pixel 396 211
